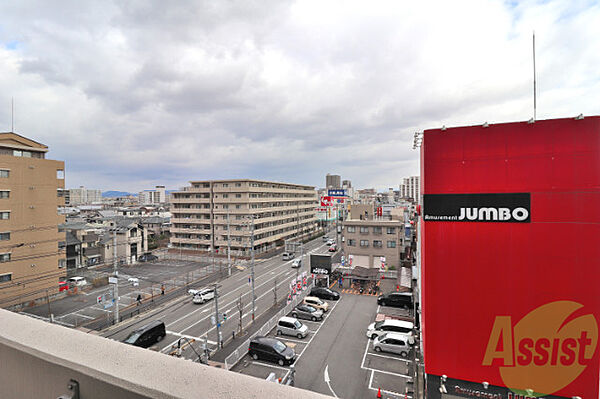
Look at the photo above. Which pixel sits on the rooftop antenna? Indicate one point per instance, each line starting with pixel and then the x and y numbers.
pixel 534 82
pixel 12 114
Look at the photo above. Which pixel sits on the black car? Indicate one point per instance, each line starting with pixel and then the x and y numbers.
pixel 324 293
pixel 272 350
pixel 147 258
pixel 147 335
pixel 396 299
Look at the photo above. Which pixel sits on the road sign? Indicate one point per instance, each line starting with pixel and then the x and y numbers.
pixel 113 280
pixel 212 320
pixel 108 305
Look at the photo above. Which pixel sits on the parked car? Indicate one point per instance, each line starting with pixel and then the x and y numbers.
pixel 396 299
pixel 147 335
pixel 204 295
pixel 297 263
pixel 291 326
pixel 271 349
pixel 332 248
pixel 396 326
pixel 134 281
pixel 324 293
pixel 147 258
pixel 308 312
pixel 393 343
pixel 317 303
pixel 325 238
pixel 63 286
pixel 287 255
pixel 330 242
pixel 77 281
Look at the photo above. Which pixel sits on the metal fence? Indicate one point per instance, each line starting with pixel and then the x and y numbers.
pixel 237 354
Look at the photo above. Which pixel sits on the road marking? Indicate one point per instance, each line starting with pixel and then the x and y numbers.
pixel 389 357
pixel 270 366
pixel 386 391
pixel 84 316
pixel 289 339
pixel 197 339
pixel 328 380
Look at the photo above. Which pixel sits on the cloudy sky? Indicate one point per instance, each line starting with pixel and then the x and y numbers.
pixel 138 93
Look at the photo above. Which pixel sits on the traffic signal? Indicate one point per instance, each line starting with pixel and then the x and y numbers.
pixel 224 316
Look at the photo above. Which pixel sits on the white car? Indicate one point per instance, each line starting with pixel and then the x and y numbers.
pixel 297 263
pixel 77 281
pixel 204 295
pixel 391 326
pixel 134 281
pixel 330 242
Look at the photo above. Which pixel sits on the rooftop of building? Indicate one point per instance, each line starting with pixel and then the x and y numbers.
pixel 250 180
pixel 14 140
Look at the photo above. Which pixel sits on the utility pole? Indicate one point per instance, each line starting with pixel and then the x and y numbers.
pixel 217 317
pixel 336 227
pixel 275 292
pixel 49 313
pixel 252 264
pixel 228 248
pixel 116 274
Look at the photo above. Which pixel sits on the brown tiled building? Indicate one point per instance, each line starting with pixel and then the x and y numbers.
pixel 200 213
pixel 32 255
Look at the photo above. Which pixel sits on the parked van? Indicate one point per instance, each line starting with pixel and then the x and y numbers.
pixel 272 350
pixel 395 326
pixel 147 335
pixel 291 326
pixel 393 343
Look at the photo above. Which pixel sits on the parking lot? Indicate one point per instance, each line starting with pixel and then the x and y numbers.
pixel 337 358
pixel 77 309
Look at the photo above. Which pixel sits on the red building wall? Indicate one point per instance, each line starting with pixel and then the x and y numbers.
pixel 473 273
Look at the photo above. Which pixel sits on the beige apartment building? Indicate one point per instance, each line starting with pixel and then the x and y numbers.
pixel 373 242
pixel 200 214
pixel 31 263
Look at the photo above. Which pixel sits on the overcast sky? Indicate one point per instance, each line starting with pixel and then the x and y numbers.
pixel 138 93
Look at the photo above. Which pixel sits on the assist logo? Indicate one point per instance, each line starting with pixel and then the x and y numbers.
pixel 545 351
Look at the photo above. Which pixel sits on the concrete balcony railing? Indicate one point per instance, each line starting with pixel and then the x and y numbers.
pixel 190 241
pixel 190 200
pixel 40 360
pixel 190 230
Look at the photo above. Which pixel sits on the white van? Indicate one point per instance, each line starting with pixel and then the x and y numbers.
pixel 77 281
pixel 291 326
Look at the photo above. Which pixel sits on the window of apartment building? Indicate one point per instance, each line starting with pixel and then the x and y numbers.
pixel 391 244
pixel 4 215
pixel 238 184
pixel 60 174
pixel 225 206
pixel 377 244
pixel 377 230
pixel 364 243
pixel 62 245
pixel 4 173
pixel 238 217
pixel 5 257
pixel 364 230
pixel 5 236
pixel 238 207
pixel 391 230
pixel 225 185
pixel 5 277
pixel 62 263
pixel 238 196
pixel 225 195
pixel 351 229
pixel 4 194
pixel 351 243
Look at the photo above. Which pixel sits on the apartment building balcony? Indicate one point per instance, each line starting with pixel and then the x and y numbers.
pixel 185 230
pixel 187 220
pixel 176 240
pixel 191 210
pixel 92 251
pixel 192 189
pixel 190 200
pixel 43 365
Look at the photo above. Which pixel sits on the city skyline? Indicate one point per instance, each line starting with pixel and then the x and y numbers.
pixel 281 91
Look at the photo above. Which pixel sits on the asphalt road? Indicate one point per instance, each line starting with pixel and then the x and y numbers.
pixel 184 319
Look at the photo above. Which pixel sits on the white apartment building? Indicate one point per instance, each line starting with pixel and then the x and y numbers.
pixel 410 188
pixel 82 196
pixel 202 213
pixel 156 196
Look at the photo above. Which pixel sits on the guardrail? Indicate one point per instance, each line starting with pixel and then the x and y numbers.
pixel 241 350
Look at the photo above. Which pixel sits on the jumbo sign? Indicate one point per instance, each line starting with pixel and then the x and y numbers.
pixel 546 350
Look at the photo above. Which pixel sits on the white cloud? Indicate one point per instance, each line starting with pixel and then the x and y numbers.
pixel 139 93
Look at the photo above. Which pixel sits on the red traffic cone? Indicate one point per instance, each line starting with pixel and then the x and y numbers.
pixel 379 393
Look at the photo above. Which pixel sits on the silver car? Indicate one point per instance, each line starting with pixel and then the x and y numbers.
pixel 393 343
pixel 303 311
pixel 291 326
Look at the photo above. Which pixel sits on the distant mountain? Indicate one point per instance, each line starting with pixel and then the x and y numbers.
pixel 112 194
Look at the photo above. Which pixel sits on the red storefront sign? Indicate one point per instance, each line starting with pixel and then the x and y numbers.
pixel 510 246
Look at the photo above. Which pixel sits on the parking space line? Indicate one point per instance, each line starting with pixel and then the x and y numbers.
pixel 84 316
pixel 270 366
pixel 291 340
pixel 387 372
pixel 385 390
pixel 389 357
